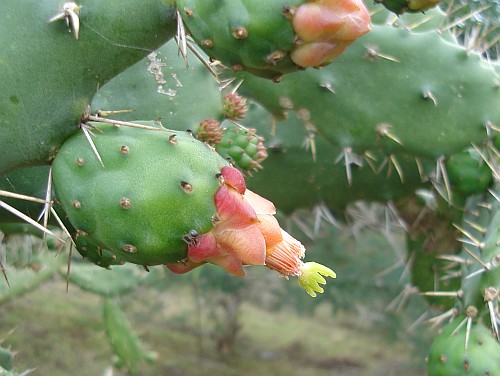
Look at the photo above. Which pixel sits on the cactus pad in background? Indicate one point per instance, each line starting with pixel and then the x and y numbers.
pixel 161 86
pixel 269 39
pixel 449 356
pixel 127 346
pixel 422 95
pixel 468 172
pixel 466 346
pixel 152 188
pixel 23 280
pixel 49 77
pixel 118 281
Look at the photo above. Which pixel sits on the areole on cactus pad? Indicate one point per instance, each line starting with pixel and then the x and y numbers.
pixel 271 38
pixel 154 196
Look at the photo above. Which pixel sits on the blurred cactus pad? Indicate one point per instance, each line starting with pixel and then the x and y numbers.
pixel 159 157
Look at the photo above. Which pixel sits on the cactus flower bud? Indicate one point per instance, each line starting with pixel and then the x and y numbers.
pixel 325 28
pixel 245 232
pixel 234 106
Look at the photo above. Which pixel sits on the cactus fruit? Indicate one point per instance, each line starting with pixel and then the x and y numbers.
pixel 269 39
pixel 90 251
pixel 456 352
pixel 152 189
pixel 171 190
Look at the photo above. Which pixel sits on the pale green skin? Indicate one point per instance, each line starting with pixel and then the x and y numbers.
pixel 150 175
pixel 193 93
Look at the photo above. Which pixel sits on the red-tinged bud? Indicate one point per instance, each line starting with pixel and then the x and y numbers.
pixel 325 28
pixel 235 106
pixel 210 131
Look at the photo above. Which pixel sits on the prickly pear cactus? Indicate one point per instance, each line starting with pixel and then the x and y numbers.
pixel 141 194
pixel 470 344
pixel 54 57
pixel 161 86
pixel 458 351
pixel 481 238
pixel 424 97
pixel 6 359
pixel 323 172
pixel 270 38
pixel 92 252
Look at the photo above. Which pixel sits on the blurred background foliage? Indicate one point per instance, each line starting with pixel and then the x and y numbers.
pixel 369 321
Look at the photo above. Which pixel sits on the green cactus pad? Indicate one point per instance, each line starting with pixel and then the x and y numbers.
pixel 482 227
pixel 28 181
pixel 49 77
pixel 24 280
pixel 126 344
pixel 447 355
pixel 154 187
pixel 161 86
pixel 414 93
pixel 303 169
pixel 6 359
pixel 118 281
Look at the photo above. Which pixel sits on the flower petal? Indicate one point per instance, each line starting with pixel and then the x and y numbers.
pixel 247 244
pixel 229 263
pixel 232 209
pixel 209 250
pixel 183 266
pixel 259 203
pixel 286 256
pixel 270 230
pixel 234 178
pixel 205 249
